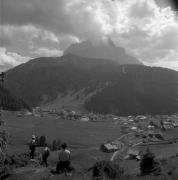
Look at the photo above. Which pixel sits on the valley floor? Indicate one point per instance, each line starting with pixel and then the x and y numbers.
pixel 84 139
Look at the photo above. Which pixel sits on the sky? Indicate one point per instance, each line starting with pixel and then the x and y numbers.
pixel 147 29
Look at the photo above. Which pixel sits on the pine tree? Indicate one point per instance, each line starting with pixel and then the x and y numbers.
pixel 148 163
pixel 42 141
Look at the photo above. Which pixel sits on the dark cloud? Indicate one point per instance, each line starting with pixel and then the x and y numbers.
pixel 45 13
pixel 32 28
pixel 174 4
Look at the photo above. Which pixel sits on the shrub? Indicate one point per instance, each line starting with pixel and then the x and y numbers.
pixel 4 172
pixel 56 145
pixel 148 163
pixel 42 141
pixel 106 169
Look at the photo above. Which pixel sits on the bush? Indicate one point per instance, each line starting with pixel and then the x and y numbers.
pixel 106 169
pixel 56 145
pixel 4 172
pixel 18 160
pixel 148 164
pixel 42 141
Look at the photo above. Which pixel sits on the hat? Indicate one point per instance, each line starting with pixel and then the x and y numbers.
pixel 64 145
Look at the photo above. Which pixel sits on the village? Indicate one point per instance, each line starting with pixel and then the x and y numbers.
pixel 136 131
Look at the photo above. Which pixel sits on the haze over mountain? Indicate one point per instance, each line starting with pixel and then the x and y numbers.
pixel 106 50
pixel 101 86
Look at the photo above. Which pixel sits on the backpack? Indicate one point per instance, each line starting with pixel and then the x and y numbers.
pixel 31 145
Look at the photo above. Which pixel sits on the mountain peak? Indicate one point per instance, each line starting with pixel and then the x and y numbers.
pixel 111 43
pixel 107 50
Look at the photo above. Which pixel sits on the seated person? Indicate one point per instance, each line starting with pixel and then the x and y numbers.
pixel 63 164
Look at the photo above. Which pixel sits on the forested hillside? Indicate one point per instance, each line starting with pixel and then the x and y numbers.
pixel 119 89
pixel 140 90
pixel 10 102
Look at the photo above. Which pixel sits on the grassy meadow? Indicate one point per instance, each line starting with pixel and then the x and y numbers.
pixel 83 138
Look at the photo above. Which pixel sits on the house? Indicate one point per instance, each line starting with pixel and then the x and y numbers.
pixel 131 120
pixel 151 127
pixel 28 113
pixel 167 125
pixel 108 147
pixel 115 118
pixel 141 117
pixel 133 154
pixel 118 143
pixel 175 125
pixel 85 119
pixel 133 128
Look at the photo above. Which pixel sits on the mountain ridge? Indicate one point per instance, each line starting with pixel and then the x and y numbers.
pixel 114 88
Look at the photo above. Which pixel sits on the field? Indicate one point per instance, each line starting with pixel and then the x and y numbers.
pixel 83 138
pixel 73 132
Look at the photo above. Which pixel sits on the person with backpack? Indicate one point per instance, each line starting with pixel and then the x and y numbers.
pixel 45 155
pixel 32 147
pixel 63 164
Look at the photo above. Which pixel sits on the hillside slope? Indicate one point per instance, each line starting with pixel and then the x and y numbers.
pixel 10 102
pixel 139 90
pixel 113 88
pixel 40 80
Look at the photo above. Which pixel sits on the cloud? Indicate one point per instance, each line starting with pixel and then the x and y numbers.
pixel 18 38
pixel 10 59
pixel 166 64
pixel 27 39
pixel 48 52
pixel 42 27
pixel 152 38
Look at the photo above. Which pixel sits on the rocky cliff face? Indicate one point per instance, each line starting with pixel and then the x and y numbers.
pixel 102 51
